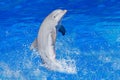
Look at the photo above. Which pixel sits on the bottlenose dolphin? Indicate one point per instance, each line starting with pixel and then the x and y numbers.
pixel 46 38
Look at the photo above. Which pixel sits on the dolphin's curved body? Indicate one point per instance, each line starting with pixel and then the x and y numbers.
pixel 45 41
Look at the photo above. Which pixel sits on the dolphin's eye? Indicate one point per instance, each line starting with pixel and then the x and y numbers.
pixel 54 16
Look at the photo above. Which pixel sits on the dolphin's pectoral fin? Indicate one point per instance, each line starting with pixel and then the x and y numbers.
pixel 62 29
pixel 34 45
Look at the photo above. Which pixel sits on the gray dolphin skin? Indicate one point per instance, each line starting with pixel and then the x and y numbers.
pixel 46 38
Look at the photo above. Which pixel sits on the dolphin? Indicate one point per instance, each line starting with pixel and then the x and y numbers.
pixel 46 38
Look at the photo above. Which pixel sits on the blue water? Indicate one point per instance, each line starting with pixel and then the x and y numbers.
pixel 91 46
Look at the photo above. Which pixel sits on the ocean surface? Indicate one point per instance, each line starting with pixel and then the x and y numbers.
pixel 90 49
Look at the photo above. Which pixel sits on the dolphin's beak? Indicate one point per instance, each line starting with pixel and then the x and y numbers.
pixel 59 14
pixel 65 11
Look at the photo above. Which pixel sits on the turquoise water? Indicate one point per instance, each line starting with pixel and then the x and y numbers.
pixel 90 48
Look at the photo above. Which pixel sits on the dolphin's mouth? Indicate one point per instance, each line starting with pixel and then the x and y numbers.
pixel 62 13
pixel 65 11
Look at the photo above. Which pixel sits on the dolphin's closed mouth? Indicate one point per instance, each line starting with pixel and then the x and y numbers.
pixel 65 11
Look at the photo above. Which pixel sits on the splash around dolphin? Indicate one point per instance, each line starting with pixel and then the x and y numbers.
pixel 46 38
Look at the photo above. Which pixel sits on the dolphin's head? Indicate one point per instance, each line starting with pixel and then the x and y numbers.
pixel 57 15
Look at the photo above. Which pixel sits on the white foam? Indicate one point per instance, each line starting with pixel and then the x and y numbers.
pixel 7 73
pixel 65 66
pixel 68 66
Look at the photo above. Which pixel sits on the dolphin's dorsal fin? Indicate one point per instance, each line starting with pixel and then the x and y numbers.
pixel 62 29
pixel 34 45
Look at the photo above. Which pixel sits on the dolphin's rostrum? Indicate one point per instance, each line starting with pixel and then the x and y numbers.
pixel 46 38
